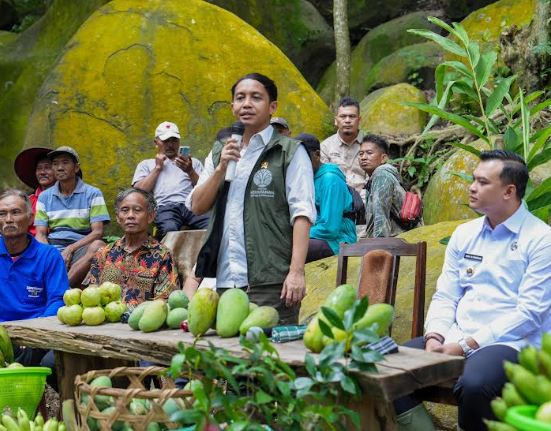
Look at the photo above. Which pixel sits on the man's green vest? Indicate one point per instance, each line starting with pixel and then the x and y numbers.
pixel 266 219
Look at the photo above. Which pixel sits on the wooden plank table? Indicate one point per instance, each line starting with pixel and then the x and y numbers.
pixel 82 348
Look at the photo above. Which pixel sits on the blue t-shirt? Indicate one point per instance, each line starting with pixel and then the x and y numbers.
pixel 32 285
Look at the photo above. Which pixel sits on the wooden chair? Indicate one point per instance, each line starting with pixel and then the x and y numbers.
pixel 397 248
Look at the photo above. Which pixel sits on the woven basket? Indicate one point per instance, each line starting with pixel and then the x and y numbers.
pixel 135 389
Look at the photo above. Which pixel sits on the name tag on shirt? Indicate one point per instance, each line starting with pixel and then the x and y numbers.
pixel 475 257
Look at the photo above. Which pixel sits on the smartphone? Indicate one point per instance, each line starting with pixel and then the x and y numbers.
pixel 184 150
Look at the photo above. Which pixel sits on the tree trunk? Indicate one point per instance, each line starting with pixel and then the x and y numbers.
pixel 342 45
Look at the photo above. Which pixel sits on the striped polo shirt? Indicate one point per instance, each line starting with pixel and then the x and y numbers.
pixel 70 217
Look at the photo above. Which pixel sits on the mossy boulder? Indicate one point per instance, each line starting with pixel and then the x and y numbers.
pixel 321 277
pixel 413 64
pixel 447 194
pixel 25 60
pixel 380 42
pixel 384 113
pixel 133 64
pixel 294 26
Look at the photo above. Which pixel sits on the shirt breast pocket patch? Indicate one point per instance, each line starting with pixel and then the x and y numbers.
pixel 34 294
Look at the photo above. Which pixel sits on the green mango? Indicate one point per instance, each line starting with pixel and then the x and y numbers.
pixel 341 299
pixel 154 316
pixel 173 405
pixel 102 401
pixel 252 306
pixel 313 337
pixel 153 426
pixel 202 311
pixel 263 317
pixel 382 314
pixel 178 299
pixel 175 317
pixel 117 425
pixel 136 315
pixel 233 309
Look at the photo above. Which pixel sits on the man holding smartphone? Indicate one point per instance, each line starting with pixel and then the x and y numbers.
pixel 171 176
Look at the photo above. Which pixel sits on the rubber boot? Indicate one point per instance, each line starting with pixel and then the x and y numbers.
pixel 416 419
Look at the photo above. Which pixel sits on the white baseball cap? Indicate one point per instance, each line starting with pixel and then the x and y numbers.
pixel 167 130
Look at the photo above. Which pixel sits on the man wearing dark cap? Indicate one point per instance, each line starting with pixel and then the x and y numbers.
pixel 334 204
pixel 33 168
pixel 71 215
pixel 281 126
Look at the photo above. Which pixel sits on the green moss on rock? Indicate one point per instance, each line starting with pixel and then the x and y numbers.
pixel 383 111
pixel 379 43
pixel 133 64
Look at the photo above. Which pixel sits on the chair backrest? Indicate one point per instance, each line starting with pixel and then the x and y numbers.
pixel 397 247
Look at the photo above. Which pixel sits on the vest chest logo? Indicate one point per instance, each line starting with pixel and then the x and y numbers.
pixel 262 179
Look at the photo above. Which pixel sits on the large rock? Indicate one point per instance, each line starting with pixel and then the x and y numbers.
pixel 459 9
pixel 383 111
pixel 321 277
pixel 380 42
pixel 447 194
pixel 133 64
pixel 25 60
pixel 414 64
pixel 294 26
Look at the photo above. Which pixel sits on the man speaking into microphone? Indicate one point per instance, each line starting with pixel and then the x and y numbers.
pixel 258 232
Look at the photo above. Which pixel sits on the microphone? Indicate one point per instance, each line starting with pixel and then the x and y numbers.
pixel 237 130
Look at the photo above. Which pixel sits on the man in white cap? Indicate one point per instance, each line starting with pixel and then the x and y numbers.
pixel 170 176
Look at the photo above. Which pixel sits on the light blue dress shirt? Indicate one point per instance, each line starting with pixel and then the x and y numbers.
pixel 495 284
pixel 299 189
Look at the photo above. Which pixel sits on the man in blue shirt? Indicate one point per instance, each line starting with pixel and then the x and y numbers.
pixel 32 275
pixel 494 292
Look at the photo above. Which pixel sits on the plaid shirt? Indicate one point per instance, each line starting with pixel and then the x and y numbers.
pixel 145 274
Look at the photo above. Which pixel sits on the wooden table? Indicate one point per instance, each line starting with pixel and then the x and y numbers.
pixel 82 348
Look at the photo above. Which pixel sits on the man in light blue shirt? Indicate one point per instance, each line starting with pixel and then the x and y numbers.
pixel 494 292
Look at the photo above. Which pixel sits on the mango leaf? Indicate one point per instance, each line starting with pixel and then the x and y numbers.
pixel 468 148
pixel 543 136
pixel 325 329
pixel 310 364
pixel 473 52
pixel 359 308
pixel 540 197
pixel 484 67
pixel 454 118
pixel 332 317
pixel 498 94
pixel 459 67
pixel 349 385
pixel 511 139
pixel 446 44
pixel 540 158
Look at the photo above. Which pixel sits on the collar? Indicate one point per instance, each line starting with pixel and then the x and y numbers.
pixel 79 188
pixel 513 223
pixel 29 252
pixel 148 244
pixel 358 139
pixel 265 135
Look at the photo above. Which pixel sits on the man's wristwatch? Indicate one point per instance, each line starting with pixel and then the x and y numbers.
pixel 467 350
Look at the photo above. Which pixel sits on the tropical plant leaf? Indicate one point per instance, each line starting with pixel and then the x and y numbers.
pixel 484 67
pixel 468 148
pixel 454 118
pixel 525 121
pixel 442 24
pixel 359 308
pixel 540 143
pixel 465 88
pixel 473 52
pixel 325 329
pixel 498 94
pixel 332 317
pixel 540 197
pixel 348 385
pixel 441 104
pixel 511 139
pixel 540 106
pixel 446 44
pixel 461 34
pixel 540 158
pixel 459 67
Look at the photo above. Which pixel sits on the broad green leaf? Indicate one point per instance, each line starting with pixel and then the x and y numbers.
pixel 464 88
pixel 186 416
pixel 348 385
pixel 484 67
pixel 439 74
pixel 468 148
pixel 262 397
pixel 442 24
pixel 325 328
pixel 359 308
pixel 459 67
pixel 332 317
pixel 441 104
pixel 310 364
pixel 540 143
pixel 303 383
pixel 474 54
pixel 540 158
pixel 498 94
pixel 461 33
pixel 540 106
pixel 542 213
pixel 540 197
pixel 529 98
pixel 511 139
pixel 446 44
pixel 362 366
pixel 454 118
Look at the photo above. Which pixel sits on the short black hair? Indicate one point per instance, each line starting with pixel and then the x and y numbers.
pixel 379 141
pixel 514 169
pixel 150 199
pixel 348 101
pixel 310 142
pixel 268 84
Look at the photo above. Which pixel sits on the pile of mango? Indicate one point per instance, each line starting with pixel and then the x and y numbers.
pixel 151 316
pixel 529 383
pixel 92 306
pixel 341 300
pixel 21 422
pixel 6 349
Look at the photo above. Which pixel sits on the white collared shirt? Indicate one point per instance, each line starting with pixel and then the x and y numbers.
pixel 495 284
pixel 299 187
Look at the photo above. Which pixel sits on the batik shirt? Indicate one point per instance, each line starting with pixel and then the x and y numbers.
pixel 145 274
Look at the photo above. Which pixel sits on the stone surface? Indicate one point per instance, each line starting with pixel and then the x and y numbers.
pixel 294 26
pixel 321 277
pixel 380 42
pixel 447 195
pixel 383 111
pixel 132 65
pixel 414 64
